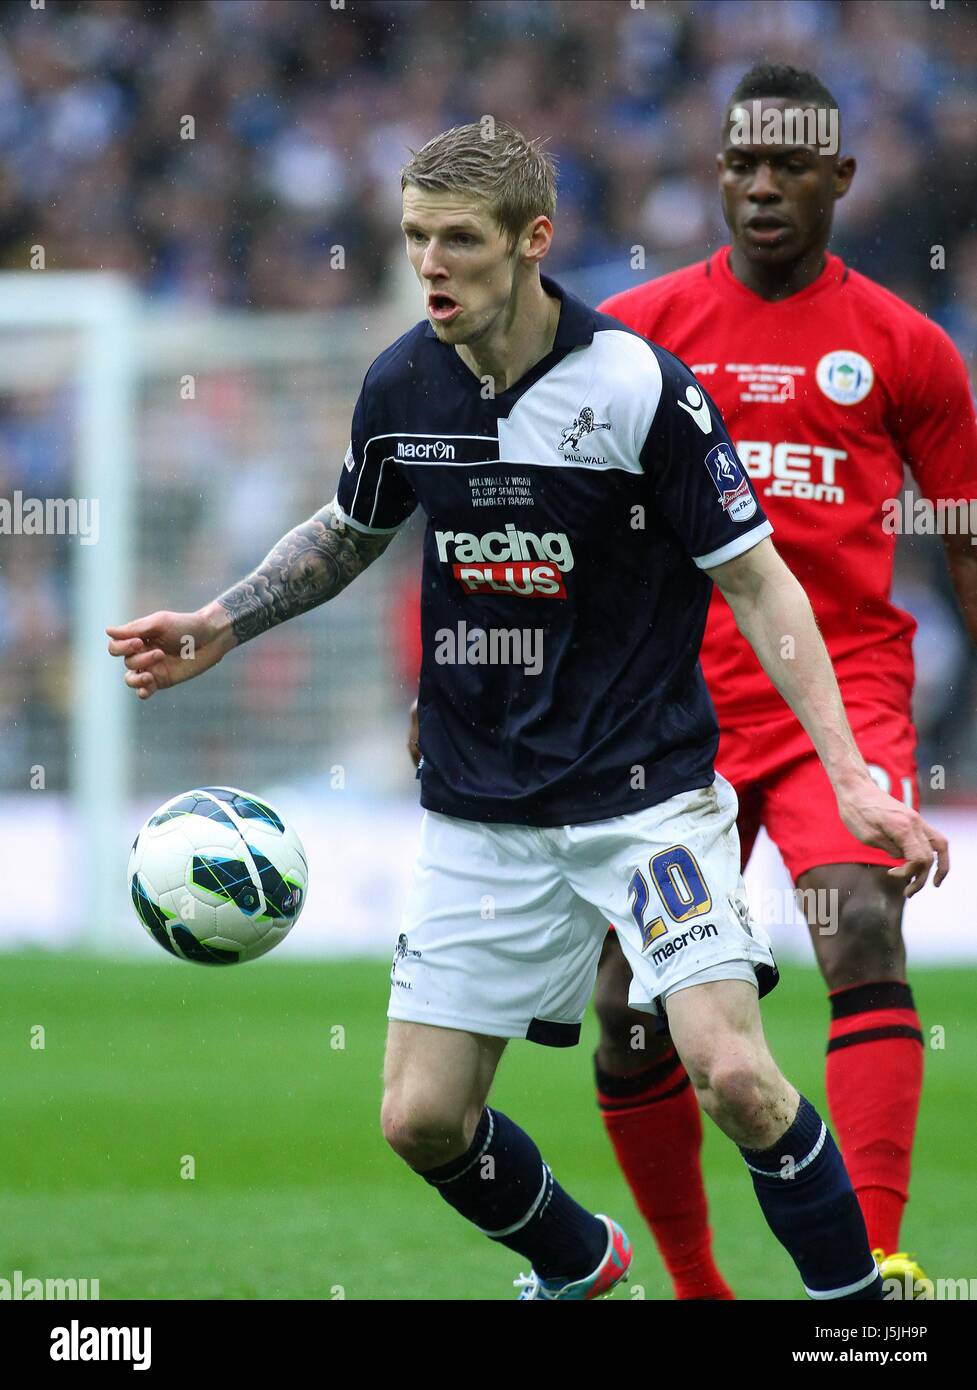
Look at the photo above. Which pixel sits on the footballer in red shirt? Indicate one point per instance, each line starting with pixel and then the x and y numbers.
pixel 828 385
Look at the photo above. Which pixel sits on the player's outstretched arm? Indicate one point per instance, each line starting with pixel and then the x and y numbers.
pixel 311 564
pixel 774 615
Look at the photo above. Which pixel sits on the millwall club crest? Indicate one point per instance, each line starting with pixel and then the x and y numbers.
pixel 402 953
pixel 845 377
pixel 735 497
pixel 583 424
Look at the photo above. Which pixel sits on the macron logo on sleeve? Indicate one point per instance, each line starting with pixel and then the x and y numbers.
pixel 696 406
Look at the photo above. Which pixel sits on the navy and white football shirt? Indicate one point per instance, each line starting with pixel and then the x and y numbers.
pixel 570 524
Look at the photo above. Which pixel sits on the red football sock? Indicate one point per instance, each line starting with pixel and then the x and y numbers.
pixel 653 1120
pixel 873 1076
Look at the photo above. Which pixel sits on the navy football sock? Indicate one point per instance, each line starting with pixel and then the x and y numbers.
pixel 505 1189
pixel 807 1197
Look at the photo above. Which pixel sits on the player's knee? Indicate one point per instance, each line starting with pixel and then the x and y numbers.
pixel 868 944
pixel 424 1134
pixel 733 1087
pixel 737 1088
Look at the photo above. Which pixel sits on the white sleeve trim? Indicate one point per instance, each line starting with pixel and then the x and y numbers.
pixel 731 549
pixel 367 530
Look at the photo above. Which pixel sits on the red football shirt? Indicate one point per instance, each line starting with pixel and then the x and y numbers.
pixel 826 394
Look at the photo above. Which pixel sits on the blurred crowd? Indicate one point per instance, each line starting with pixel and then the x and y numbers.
pixel 220 151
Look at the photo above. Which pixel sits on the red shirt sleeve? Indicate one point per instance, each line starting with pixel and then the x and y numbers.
pixel 936 422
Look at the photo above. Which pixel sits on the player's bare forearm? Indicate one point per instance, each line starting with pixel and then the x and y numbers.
pixel 961 556
pixel 313 563
pixel 309 566
pixel 774 615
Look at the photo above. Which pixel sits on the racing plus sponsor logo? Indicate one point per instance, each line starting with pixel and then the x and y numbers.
pixel 508 562
pixel 585 423
pixel 437 449
pixel 676 943
pixel 793 469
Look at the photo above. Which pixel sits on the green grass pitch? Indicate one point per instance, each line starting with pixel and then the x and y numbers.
pixel 295 1194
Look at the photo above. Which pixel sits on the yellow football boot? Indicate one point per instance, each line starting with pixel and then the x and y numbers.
pixel 906 1271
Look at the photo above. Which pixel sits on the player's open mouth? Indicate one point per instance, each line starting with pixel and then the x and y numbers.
pixel 442 307
pixel 767 231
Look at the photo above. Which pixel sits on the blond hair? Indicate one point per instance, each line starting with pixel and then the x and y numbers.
pixel 493 162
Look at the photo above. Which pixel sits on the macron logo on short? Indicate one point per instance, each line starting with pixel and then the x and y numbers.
pixel 697 933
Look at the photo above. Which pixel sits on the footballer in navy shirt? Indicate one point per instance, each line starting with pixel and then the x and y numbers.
pixel 581 495
pixel 602 487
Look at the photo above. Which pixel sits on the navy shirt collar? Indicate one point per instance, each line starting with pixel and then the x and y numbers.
pixel 575 328
pixel 576 325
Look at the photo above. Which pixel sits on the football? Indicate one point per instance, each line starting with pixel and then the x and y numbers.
pixel 217 876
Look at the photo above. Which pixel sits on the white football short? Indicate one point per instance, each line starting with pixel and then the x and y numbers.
pixel 504 924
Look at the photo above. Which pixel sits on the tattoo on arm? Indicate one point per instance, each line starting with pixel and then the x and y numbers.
pixel 313 563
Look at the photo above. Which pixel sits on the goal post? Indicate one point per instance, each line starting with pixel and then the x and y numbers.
pixel 96 311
